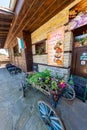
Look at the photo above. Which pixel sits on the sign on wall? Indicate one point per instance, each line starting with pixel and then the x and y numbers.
pixel 83 56
pixel 55 47
pixel 78 21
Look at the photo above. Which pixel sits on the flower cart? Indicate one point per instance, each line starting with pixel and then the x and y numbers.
pixel 54 88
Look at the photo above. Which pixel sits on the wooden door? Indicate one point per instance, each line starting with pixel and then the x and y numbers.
pixel 79 61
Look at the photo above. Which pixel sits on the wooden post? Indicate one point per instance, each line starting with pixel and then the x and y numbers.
pixel 28 50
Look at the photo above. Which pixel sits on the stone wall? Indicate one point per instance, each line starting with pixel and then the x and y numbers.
pixel 68 40
pixel 55 70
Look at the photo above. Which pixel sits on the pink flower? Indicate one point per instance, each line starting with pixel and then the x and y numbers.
pixel 62 85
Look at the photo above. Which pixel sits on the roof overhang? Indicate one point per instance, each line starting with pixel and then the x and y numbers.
pixel 6 17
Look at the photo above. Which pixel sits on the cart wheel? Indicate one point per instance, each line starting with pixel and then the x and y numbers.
pixel 50 117
pixel 69 92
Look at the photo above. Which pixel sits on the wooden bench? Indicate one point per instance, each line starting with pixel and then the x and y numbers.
pixel 13 69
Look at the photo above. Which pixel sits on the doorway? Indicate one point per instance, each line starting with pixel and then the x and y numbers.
pixel 79 61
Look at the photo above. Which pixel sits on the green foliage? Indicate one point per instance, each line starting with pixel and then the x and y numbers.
pixel 29 76
pixel 60 78
pixel 41 50
pixel 44 74
pixel 44 79
pixel 47 79
pixel 54 85
pixel 82 40
pixel 71 80
pixel 34 78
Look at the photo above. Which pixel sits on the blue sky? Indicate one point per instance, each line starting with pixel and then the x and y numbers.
pixel 4 3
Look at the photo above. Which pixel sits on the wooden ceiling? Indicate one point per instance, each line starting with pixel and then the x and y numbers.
pixel 33 14
pixel 5 23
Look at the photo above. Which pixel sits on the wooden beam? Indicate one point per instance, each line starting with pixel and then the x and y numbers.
pixel 6 19
pixel 4 26
pixel 28 50
pixel 4 29
pixel 4 22
pixel 4 32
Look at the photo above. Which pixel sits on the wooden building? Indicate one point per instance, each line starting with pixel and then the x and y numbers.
pixel 29 35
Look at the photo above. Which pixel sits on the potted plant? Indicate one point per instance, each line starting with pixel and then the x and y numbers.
pixel 56 89
pixel 54 93
pixel 40 50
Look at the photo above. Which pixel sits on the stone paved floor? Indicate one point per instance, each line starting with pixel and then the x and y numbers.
pixel 18 113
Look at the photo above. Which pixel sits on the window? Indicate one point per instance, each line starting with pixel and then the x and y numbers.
pixel 40 47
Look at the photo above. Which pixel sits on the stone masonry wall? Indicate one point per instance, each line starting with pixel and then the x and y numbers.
pixel 55 70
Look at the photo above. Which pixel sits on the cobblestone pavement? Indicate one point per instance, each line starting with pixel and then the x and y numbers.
pixel 18 113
